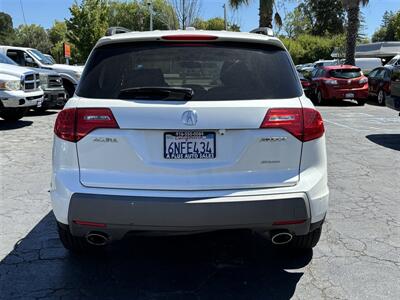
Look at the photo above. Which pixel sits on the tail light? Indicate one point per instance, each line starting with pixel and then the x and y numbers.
pixel 73 124
pixel 304 123
pixel 189 37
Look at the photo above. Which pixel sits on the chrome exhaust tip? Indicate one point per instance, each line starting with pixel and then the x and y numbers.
pixel 97 238
pixel 281 238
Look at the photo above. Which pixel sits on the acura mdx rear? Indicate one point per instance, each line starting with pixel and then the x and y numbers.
pixel 177 132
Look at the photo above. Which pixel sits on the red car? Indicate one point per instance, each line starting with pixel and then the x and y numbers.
pixel 338 83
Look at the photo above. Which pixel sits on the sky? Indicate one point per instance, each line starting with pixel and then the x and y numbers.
pixel 44 12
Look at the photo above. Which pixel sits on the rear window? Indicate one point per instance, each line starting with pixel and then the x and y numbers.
pixel 345 73
pixel 220 71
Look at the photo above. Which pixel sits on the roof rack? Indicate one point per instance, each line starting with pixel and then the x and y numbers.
pixel 116 30
pixel 263 30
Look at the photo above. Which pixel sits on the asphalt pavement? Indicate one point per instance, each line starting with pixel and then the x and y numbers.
pixel 358 256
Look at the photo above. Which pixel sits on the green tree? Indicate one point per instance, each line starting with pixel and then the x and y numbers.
pixel 214 24
pixel 328 16
pixel 297 23
pixel 58 36
pixel 135 15
pixel 88 23
pixel 266 11
pixel 33 36
pixel 390 28
pixel 6 29
pixel 58 32
pixel 353 22
pixel 309 48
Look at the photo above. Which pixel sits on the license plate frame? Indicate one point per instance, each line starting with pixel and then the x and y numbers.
pixel 192 135
pixel 349 95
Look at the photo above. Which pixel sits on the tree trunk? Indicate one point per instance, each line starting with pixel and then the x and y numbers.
pixel 266 12
pixel 353 13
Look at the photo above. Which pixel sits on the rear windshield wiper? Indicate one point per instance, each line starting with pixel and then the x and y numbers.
pixel 157 93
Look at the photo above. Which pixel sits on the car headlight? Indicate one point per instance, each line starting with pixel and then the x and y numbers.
pixel 44 80
pixel 10 85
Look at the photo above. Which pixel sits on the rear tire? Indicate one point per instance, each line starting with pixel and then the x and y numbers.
pixel 319 99
pixel 381 97
pixel 73 243
pixel 307 241
pixel 12 115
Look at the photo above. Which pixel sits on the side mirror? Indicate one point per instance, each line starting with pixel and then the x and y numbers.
pixel 29 61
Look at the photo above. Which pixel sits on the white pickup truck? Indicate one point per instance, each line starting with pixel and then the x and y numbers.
pixel 33 58
pixel 19 91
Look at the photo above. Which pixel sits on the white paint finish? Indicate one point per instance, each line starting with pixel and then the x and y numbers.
pixel 134 165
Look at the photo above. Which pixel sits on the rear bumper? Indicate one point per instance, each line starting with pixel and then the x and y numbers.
pixel 126 214
pixel 361 93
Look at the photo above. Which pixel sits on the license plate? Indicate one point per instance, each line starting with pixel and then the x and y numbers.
pixel 189 145
pixel 349 95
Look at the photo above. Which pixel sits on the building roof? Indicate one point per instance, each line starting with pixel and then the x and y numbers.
pixel 379 49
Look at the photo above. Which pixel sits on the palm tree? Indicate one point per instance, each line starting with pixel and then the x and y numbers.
pixel 353 22
pixel 266 11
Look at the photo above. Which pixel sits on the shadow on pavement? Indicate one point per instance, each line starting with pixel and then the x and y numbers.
pixel 223 265
pixel 339 103
pixel 14 125
pixel 391 141
pixel 33 113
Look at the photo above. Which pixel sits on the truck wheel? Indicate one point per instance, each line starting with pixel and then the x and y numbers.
pixel 12 115
pixel 73 243
pixel 307 241
pixel 69 88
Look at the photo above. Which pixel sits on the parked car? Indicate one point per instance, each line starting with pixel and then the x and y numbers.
pixel 51 84
pixel 19 91
pixel 29 57
pixel 393 98
pixel 338 83
pixel 395 61
pixel 326 62
pixel 379 83
pixel 196 139
pixel 368 64
pixel 305 83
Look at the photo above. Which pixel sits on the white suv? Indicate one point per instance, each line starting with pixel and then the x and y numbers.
pixel 176 132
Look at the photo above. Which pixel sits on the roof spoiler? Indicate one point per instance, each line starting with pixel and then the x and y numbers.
pixel 263 30
pixel 116 30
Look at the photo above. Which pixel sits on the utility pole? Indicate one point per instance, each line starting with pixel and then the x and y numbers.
pixel 150 5
pixel 183 15
pixel 225 22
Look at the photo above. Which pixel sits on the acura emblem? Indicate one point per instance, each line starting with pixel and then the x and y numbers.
pixel 189 117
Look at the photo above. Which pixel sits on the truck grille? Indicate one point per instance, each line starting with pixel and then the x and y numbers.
pixel 55 81
pixel 30 81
